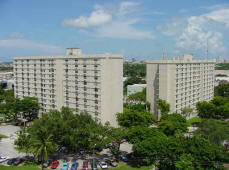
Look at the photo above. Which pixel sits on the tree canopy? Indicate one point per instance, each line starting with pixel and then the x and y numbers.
pixel 216 131
pixel 222 90
pixel 131 117
pixel 217 108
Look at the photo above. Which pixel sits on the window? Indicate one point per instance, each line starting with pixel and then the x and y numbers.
pixel 85 83
pixel 96 89
pixel 96 95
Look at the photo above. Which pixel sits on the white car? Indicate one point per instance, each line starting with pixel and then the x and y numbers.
pixel 3 158
pixel 103 165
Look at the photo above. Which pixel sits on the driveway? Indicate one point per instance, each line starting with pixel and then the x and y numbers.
pixel 7 144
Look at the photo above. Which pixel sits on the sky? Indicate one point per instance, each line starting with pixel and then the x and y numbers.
pixel 141 29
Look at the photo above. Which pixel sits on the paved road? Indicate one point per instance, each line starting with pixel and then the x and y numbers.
pixel 7 144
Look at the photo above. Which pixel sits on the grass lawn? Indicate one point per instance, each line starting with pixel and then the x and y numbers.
pixel 19 167
pixel 123 166
pixel 3 136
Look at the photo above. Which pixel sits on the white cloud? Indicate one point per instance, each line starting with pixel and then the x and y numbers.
pixel 121 29
pixel 16 35
pixel 195 32
pixel 111 22
pixel 19 43
pixel 221 16
pixel 127 7
pixel 96 18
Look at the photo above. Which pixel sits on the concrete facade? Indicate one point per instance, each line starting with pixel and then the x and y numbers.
pixel 181 82
pixel 87 83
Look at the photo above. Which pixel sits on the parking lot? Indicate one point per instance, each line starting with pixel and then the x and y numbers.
pixel 7 144
pixel 7 149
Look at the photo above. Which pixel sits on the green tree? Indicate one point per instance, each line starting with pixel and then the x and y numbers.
pixel 139 96
pixel 163 106
pixel 130 70
pixel 216 131
pixel 172 124
pixel 206 109
pixel 41 144
pixel 29 107
pixel 113 139
pixel 217 108
pixel 222 90
pixel 185 162
pixel 131 118
pixel 186 112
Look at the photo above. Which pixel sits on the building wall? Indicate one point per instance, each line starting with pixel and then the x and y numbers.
pixel 85 83
pixel 182 83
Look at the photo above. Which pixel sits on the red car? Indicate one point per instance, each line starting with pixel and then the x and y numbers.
pixel 54 164
pixel 85 165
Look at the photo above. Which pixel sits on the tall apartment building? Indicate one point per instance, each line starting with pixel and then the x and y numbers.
pixel 181 82
pixel 87 83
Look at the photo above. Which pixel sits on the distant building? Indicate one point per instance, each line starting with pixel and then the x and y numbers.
pixel 181 82
pixel 6 75
pixel 135 88
pixel 88 83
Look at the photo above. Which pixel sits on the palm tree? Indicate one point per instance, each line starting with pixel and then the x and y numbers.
pixel 42 146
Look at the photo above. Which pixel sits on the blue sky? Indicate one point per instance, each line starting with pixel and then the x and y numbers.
pixel 141 29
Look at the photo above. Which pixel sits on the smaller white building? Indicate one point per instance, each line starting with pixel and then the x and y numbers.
pixel 135 88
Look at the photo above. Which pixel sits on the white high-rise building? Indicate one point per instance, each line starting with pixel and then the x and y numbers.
pixel 181 82
pixel 88 83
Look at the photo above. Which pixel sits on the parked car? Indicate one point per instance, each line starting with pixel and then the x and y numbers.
pixel 94 165
pixel 123 158
pixel 111 162
pixel 3 158
pixel 27 158
pixel 75 166
pixel 103 165
pixel 18 161
pixel 47 164
pixel 65 166
pixel 11 161
pixel 85 165
pixel 55 164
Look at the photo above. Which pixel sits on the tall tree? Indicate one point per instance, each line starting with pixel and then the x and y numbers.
pixel 216 131
pixel 222 90
pixel 29 107
pixel 131 118
pixel 163 106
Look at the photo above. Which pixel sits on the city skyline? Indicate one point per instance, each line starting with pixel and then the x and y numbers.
pixel 139 29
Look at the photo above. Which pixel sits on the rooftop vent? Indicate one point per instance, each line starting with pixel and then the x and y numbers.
pixel 74 51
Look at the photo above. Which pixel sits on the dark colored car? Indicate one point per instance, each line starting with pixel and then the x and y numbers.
pixel 18 161
pixel 93 165
pixel 27 158
pixel 47 164
pixel 74 166
pixel 85 165
pixel 123 158
pixel 55 164
pixel 113 163
pixel 11 161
